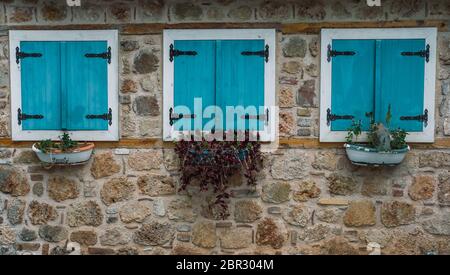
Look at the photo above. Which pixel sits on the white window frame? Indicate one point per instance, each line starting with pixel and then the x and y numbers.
pixel 269 37
pixel 327 35
pixel 111 36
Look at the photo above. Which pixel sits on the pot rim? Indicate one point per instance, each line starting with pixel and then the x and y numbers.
pixel 365 148
pixel 85 146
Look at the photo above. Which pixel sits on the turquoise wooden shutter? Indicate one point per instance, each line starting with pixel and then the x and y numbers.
pixel 401 83
pixel 85 86
pixel 353 83
pixel 41 84
pixel 240 81
pixel 194 78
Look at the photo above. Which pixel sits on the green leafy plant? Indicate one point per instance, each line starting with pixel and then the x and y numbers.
pixel 354 131
pixel 378 136
pixel 398 139
pixel 65 144
pixel 46 145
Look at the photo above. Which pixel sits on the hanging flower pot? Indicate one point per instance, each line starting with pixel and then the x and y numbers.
pixel 365 156
pixel 385 146
pixel 63 152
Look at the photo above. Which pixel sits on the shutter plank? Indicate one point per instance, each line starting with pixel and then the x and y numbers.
pixel 194 77
pixel 41 84
pixel 402 83
pixel 240 81
pixel 353 82
pixel 86 85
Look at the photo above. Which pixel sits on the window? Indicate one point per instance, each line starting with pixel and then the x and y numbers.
pixel 364 72
pixel 64 81
pixel 208 74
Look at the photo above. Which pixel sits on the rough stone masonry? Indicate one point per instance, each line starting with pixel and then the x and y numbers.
pixel 308 200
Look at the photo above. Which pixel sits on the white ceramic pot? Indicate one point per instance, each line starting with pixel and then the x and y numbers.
pixel 365 156
pixel 78 156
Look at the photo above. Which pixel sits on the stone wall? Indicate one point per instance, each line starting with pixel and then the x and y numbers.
pixel 307 201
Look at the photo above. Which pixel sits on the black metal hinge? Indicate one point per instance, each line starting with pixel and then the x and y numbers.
pixel 332 117
pixel 21 116
pixel 173 116
pixel 106 55
pixel 425 53
pixel 107 116
pixel 264 53
pixel 173 52
pixel 332 53
pixel 264 117
pixel 22 55
pixel 422 118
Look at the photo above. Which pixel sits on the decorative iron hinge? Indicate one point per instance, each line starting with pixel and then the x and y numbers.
pixel 21 116
pixel 22 55
pixel 173 116
pixel 332 53
pixel 107 116
pixel 425 53
pixel 264 117
pixel 106 55
pixel 422 118
pixel 332 117
pixel 173 52
pixel 263 53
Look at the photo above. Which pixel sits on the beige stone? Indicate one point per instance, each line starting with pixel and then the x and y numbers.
pixel 360 213
pixel 156 185
pixel 104 165
pixel 422 188
pixel 41 213
pixel 236 238
pixel 61 188
pixel 144 161
pixel 247 211
pixel 116 190
pixel 135 211
pixel 397 213
pixel 204 234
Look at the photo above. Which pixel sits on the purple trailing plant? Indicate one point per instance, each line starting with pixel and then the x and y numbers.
pixel 213 163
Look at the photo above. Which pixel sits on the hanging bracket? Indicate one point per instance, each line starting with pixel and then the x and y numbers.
pixel 21 116
pixel 425 53
pixel 173 53
pixel 22 55
pixel 264 53
pixel 332 117
pixel 332 53
pixel 105 55
pixel 107 116
pixel 422 118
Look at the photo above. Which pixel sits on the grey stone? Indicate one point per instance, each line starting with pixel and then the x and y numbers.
pixel 159 208
pixel 129 45
pixel 304 122
pixel 146 106
pixel 145 62
pixel 187 11
pixel 53 233
pixel 438 225
pixel 27 235
pixel 16 210
pixel 295 47
pixel 305 132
